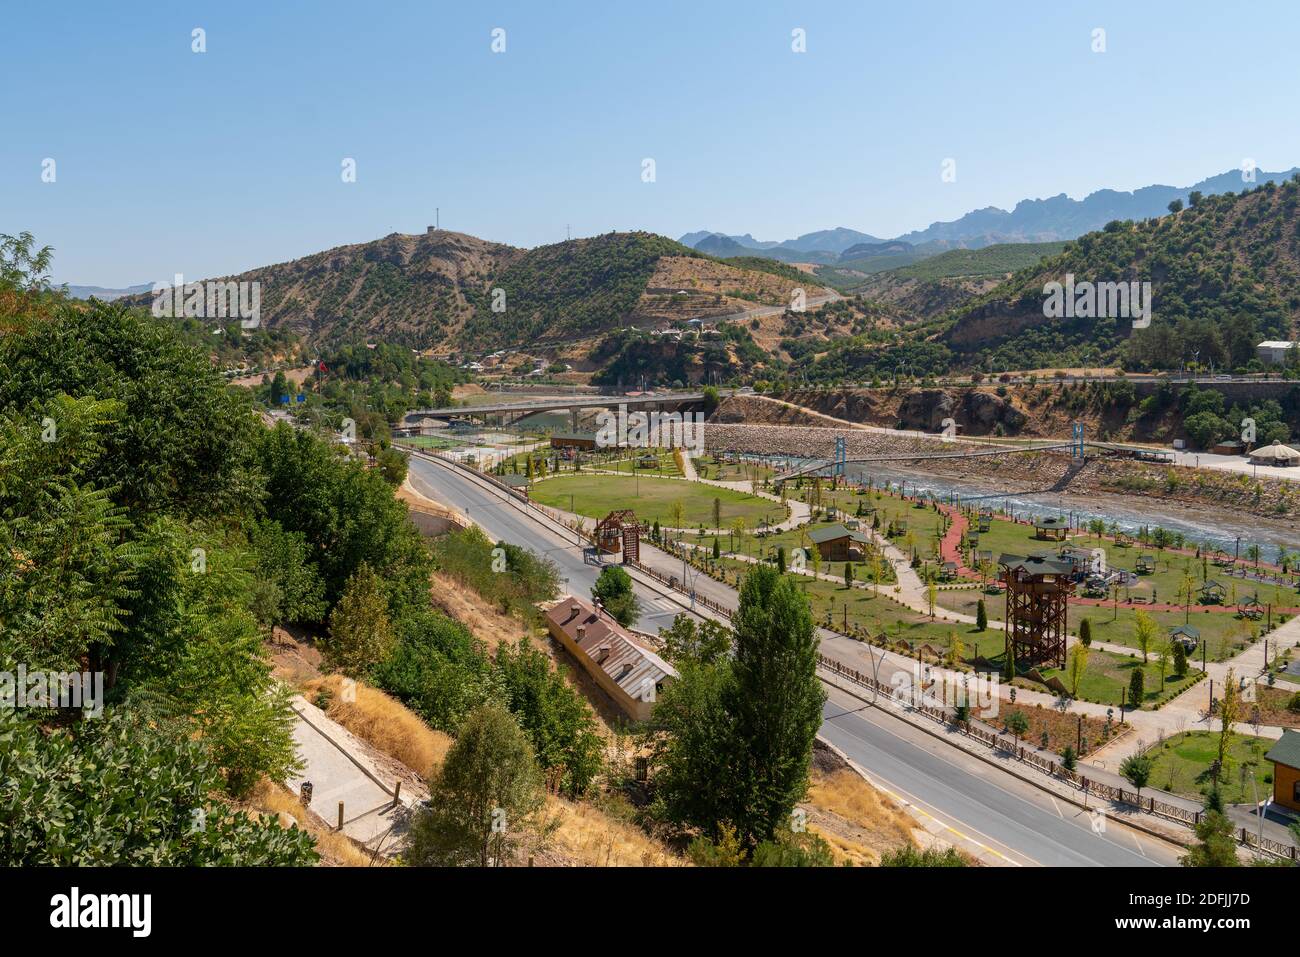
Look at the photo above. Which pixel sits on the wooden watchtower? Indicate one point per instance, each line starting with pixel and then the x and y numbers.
pixel 1038 595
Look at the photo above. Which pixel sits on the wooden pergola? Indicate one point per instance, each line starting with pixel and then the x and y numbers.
pixel 620 530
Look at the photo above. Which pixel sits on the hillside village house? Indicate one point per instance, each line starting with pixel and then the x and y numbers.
pixel 1285 756
pixel 632 675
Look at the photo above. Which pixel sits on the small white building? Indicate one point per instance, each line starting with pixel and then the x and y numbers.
pixel 1273 351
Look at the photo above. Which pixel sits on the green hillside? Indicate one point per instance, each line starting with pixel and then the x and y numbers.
pixel 1224 273
pixel 997 260
pixel 568 290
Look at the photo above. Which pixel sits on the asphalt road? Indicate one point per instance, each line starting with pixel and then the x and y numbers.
pixel 973 804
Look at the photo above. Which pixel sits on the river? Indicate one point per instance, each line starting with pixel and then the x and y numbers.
pixel 1125 513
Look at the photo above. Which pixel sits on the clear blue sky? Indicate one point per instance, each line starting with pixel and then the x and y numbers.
pixel 170 161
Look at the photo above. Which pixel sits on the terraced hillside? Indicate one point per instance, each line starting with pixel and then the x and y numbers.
pixel 457 292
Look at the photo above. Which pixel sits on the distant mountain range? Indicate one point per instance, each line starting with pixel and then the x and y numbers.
pixel 823 246
pixel 104 293
pixel 1031 221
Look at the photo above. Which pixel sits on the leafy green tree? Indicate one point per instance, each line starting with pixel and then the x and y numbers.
pixel 557 720
pixel 704 643
pixel 780 559
pixel 346 513
pixel 1136 688
pixel 1145 633
pixel 1017 724
pixel 125 791
pixel 24 267
pixel 361 635
pixel 438 669
pixel 392 465
pixel 1136 769
pixel 1085 632
pixel 613 590
pixel 1229 714
pixel 776 701
pixel 1076 666
pixel 691 735
pixel 1216 843
pixel 1180 660
pixel 66 559
pixel 181 440
pixel 289 584
pixel 981 616
pixel 1069 759
pixel 911 856
pixel 484 797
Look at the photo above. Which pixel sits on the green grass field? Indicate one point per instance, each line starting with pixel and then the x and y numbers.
pixel 708 467
pixel 1181 765
pixel 1107 676
pixel 652 498
pixel 1224 634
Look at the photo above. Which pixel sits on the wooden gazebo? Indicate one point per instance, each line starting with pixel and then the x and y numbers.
pixel 1251 607
pixel 1212 593
pixel 1053 528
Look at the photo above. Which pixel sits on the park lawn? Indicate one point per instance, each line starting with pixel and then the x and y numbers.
pixel 1225 635
pixel 431 442
pixel 709 467
pixel 768 543
pixel 874 611
pixel 595 496
pixel 1107 676
pixel 1181 765
pixel 1166 583
pixel 614 460
pixel 666 463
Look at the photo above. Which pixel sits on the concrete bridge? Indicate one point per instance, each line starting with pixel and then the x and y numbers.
pixel 655 401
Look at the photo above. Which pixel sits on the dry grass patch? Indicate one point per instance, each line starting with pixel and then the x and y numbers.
pixel 383 722
pixel 587 836
pixel 334 848
pixel 478 615
pixel 857 821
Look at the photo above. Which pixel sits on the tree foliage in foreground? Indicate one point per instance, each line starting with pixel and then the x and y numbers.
pixel 119 792
pixel 483 799
pixel 732 740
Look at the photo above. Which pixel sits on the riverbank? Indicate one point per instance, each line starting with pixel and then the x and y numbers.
pixel 1202 496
